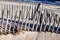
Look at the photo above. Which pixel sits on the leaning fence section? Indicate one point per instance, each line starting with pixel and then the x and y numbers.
pixel 27 17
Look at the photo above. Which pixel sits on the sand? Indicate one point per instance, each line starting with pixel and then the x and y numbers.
pixel 21 36
pixel 31 36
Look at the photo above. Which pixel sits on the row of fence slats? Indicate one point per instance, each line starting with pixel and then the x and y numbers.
pixel 24 14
